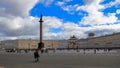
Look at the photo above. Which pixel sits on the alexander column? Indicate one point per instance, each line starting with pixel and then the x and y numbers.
pixel 40 44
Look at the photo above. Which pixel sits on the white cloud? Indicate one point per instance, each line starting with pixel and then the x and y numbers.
pixel 18 26
pixel 15 21
pixel 46 2
pixel 60 3
pixel 91 2
pixel 17 8
pixel 52 22
pixel 117 1
pixel 70 29
pixel 118 11
pixel 95 16
pixel 99 19
pixel 70 8
pixel 112 3
pixel 105 29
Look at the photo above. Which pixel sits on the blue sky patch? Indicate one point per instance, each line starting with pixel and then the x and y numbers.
pixel 75 17
pixel 109 10
pixel 55 30
pixel 56 11
pixel 107 1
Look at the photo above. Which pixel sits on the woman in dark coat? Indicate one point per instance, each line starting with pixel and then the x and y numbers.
pixel 36 56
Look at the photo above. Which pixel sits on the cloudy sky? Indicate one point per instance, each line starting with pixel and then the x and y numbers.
pixel 62 18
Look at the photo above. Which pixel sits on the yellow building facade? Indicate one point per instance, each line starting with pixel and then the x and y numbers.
pixel 112 40
pixel 27 44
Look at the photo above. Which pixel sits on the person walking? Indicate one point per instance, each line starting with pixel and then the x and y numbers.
pixel 36 56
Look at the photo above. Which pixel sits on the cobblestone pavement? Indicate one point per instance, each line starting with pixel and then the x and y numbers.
pixel 60 60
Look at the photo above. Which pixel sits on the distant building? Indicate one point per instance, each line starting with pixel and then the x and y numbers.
pixel 112 40
pixel 27 44
pixel 108 40
pixel 19 44
pixel 73 42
